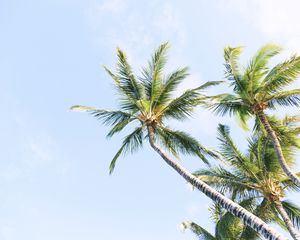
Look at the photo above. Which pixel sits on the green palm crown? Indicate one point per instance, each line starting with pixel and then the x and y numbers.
pixel 148 101
pixel 256 173
pixel 256 87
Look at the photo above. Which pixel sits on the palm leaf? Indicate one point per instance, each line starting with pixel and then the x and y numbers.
pixel 285 98
pixel 293 211
pixel 181 142
pixel 282 75
pixel 131 143
pixel 170 84
pixel 225 181
pixel 257 67
pixel 152 76
pixel 182 106
pixel 126 77
pixel 127 99
pixel 289 185
pixel 119 126
pixel 223 104
pixel 106 116
pixel 231 56
pixel 208 84
pixel 198 230
pixel 230 151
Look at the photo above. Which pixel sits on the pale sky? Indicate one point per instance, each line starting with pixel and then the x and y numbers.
pixel 54 181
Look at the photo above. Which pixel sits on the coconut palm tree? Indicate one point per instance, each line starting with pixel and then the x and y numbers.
pixel 256 174
pixel 148 101
pixel 256 88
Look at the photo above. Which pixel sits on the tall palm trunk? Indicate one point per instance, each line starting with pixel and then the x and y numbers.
pixel 293 231
pixel 248 218
pixel 262 117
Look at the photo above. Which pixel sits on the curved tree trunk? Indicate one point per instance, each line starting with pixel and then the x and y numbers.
pixel 262 117
pixel 248 218
pixel 293 231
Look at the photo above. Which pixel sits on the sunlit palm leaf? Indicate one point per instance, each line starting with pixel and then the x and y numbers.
pixel 152 76
pixel 232 72
pixel 281 75
pixel 257 67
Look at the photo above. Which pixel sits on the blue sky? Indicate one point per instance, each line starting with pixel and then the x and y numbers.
pixel 54 177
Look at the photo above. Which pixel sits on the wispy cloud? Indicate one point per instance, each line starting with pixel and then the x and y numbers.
pixel 147 25
pixel 278 21
pixel 111 6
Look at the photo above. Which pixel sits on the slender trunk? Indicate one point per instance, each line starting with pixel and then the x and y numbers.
pixel 293 231
pixel 262 117
pixel 248 218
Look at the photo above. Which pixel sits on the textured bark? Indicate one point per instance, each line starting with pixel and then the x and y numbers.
pixel 293 231
pixel 262 117
pixel 248 218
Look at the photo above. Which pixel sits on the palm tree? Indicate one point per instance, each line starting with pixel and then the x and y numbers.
pixel 148 101
pixel 256 174
pixel 257 89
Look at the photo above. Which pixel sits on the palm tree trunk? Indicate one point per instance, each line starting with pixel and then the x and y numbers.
pixel 293 231
pixel 248 218
pixel 262 117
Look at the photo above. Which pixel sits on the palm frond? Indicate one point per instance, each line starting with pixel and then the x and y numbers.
pixel 230 151
pixel 198 230
pixel 127 99
pixel 287 129
pixel 172 81
pixel 119 126
pixel 127 80
pixel 285 98
pixel 223 104
pixel 243 116
pixel 263 56
pixel 293 211
pixel 208 84
pixel 216 212
pixel 131 143
pixel 181 142
pixel 282 75
pixel 231 56
pixel 257 67
pixel 152 75
pixel 289 184
pixel 226 181
pixel 106 116
pixel 182 106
